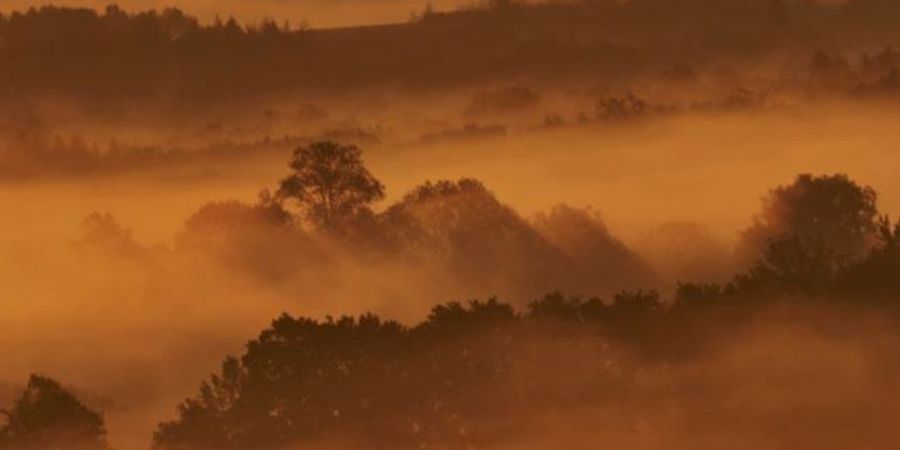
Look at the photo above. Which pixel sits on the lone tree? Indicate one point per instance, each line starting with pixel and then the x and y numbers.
pixel 831 212
pixel 48 417
pixel 330 184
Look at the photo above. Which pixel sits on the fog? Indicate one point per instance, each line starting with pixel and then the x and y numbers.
pixel 116 323
pixel 147 236
pixel 708 168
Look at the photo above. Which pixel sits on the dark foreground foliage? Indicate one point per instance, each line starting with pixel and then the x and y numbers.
pixel 48 417
pixel 472 372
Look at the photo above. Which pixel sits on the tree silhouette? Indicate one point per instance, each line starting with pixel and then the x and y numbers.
pixel 473 371
pixel 102 231
pixel 462 227
pixel 594 252
pixel 204 423
pixel 795 265
pixel 832 211
pixel 48 417
pixel 876 277
pixel 247 236
pixel 619 108
pixel 330 184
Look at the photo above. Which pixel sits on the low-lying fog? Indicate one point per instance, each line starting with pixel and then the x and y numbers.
pixel 117 324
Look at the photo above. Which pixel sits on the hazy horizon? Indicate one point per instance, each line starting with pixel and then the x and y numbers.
pixel 314 13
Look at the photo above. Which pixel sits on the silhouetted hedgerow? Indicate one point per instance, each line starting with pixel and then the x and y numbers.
pixel 446 381
pixel 113 56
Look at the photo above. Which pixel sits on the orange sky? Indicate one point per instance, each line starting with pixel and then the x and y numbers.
pixel 318 13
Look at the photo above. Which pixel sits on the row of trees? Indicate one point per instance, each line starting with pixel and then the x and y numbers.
pixel 330 190
pixel 445 382
pixel 873 74
pixel 442 383
pixel 366 381
pixel 460 228
pixel 114 55
pixel 456 232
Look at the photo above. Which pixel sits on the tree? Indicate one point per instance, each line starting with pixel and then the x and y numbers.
pixel 594 253
pixel 330 184
pixel 48 417
pixel 246 236
pixel 102 231
pixel 620 108
pixel 875 277
pixel 461 227
pixel 793 265
pixel 832 211
pixel 203 423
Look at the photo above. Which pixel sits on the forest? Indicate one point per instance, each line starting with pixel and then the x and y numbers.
pixel 502 224
pixel 486 373
pixel 112 58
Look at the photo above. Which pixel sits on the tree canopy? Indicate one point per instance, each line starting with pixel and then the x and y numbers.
pixel 330 184
pixel 830 211
pixel 366 381
pixel 48 417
